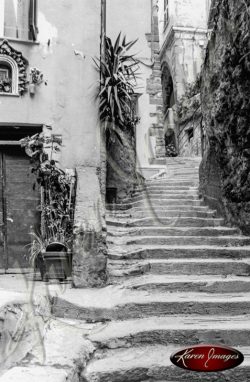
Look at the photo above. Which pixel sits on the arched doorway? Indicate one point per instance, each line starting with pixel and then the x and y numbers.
pixel 167 88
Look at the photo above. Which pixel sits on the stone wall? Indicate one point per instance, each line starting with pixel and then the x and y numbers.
pixel 189 126
pixel 154 88
pixel 225 170
pixel 189 137
pixel 90 251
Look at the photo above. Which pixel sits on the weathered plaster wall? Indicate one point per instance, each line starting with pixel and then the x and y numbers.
pixel 183 13
pixel 134 19
pixel 182 49
pixel 68 39
pixel 64 54
pixel 182 42
pixel 184 55
pixel 225 171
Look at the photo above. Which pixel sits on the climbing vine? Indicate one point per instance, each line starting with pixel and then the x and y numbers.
pixel 226 99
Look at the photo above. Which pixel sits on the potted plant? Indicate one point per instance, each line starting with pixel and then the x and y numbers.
pixel 51 249
pixel 118 80
pixel 5 85
pixel 36 78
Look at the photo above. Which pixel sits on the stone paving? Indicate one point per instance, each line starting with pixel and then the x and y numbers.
pixel 178 277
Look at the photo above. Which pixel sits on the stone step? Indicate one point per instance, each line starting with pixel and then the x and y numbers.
pixel 166 192
pixel 173 207
pixel 168 201
pixel 163 195
pixel 137 216
pixel 187 251
pixel 118 207
pixel 173 179
pixel 166 188
pixel 172 173
pixel 182 240
pixel 116 303
pixel 177 330
pixel 49 359
pixel 152 363
pixel 176 220
pixel 201 283
pixel 180 266
pixel 173 231
pixel 173 183
pixel 139 207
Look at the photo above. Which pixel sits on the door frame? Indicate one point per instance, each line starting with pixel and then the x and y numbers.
pixel 8 141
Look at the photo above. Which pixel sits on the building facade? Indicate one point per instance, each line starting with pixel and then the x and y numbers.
pixel 183 34
pixel 60 39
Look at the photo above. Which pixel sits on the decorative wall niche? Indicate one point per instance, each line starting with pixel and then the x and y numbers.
pixel 15 66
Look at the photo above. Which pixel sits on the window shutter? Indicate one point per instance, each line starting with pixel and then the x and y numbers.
pixel 166 13
pixel 33 30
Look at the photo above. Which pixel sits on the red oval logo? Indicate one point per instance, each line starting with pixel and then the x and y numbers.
pixel 207 358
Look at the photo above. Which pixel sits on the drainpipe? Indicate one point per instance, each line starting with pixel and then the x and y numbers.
pixel 103 24
pixel 103 155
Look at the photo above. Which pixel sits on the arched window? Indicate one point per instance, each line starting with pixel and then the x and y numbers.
pixel 13 77
pixel 8 75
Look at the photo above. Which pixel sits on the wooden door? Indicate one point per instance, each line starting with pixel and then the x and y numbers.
pixel 19 203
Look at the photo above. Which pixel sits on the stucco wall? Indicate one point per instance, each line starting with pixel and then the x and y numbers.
pixel 183 13
pixel 133 19
pixel 183 41
pixel 68 39
pixel 66 103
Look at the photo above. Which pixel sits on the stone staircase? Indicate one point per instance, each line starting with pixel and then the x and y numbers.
pixel 179 277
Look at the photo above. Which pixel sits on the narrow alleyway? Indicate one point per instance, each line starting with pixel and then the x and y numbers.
pixel 194 272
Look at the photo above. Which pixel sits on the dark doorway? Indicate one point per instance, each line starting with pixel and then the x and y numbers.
pixel 167 88
pixel 19 201
pixel 170 143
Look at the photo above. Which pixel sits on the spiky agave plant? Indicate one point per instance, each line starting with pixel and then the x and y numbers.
pixel 118 79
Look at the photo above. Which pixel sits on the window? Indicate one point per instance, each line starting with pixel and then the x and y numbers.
pixel 18 19
pixel 13 66
pixel 166 13
pixel 5 78
pixel 190 133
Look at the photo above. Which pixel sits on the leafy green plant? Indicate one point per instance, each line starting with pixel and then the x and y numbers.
pixel 58 191
pixel 118 79
pixel 171 150
pixel 35 248
pixel 189 102
pixel 36 76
